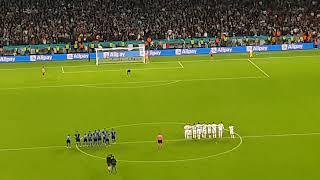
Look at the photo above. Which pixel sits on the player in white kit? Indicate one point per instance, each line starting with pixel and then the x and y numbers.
pixel 209 130
pixel 214 130
pixel 199 130
pixel 189 132
pixel 231 130
pixel 194 131
pixel 204 130
pixel 220 128
pixel 186 128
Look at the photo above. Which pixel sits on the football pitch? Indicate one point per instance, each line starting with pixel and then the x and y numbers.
pixel 272 100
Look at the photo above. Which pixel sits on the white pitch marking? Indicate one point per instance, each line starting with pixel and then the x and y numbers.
pixel 133 87
pixel 282 135
pixel 62 69
pixel 198 60
pixel 31 148
pixel 134 82
pixel 139 142
pixel 258 68
pixel 107 70
pixel 181 64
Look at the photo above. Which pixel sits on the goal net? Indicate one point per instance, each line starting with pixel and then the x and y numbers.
pixel 118 55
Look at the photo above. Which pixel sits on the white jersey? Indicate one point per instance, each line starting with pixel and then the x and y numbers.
pixel 199 128
pixel 186 127
pixel 209 128
pixel 204 128
pixel 231 129
pixel 194 129
pixel 220 127
pixel 214 127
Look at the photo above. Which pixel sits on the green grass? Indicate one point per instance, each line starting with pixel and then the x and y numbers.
pixel 37 112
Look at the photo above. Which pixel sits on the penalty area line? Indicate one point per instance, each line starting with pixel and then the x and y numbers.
pixel 181 64
pixel 259 68
pixel 117 70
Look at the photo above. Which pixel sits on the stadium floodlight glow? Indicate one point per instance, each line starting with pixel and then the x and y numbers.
pixel 120 55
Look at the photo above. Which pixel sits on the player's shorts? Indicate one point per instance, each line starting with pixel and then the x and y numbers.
pixel 95 140
pixel 68 141
pixel 85 140
pixel 77 139
pixel 109 167
pixel 113 137
pixel 90 140
pixel 159 141
pixel 43 74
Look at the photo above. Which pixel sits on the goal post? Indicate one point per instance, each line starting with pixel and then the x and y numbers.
pixel 120 55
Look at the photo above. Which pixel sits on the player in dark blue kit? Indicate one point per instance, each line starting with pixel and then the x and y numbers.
pixel 129 72
pixel 106 138
pixel 85 139
pixel 99 137
pixel 95 138
pixel 77 137
pixel 113 135
pixel 68 141
pixel 90 138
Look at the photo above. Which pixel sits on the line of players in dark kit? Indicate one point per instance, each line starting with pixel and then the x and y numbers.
pixel 94 138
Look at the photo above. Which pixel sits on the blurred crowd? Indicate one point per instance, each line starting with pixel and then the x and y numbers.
pixel 76 21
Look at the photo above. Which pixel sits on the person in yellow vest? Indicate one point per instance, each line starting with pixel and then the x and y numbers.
pixel 251 53
pixel 75 46
pixel 92 47
pixel 49 49
pixel 57 49
pixel 24 50
pixel 37 50
pixel 147 57
pixel 192 42
pixel 67 47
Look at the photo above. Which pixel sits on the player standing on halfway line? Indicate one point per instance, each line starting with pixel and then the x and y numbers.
pixel 43 70
pixel 214 130
pixel 194 131
pixel 85 140
pixel 113 135
pixel 209 129
pixel 220 128
pixel 160 140
pixel 186 129
pixel 199 130
pixel 77 138
pixel 231 130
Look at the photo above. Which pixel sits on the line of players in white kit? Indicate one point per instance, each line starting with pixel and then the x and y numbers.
pixel 198 131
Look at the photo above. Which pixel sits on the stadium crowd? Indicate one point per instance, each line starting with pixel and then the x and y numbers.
pixel 77 21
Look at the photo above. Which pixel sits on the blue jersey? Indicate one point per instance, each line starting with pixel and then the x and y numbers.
pixel 113 133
